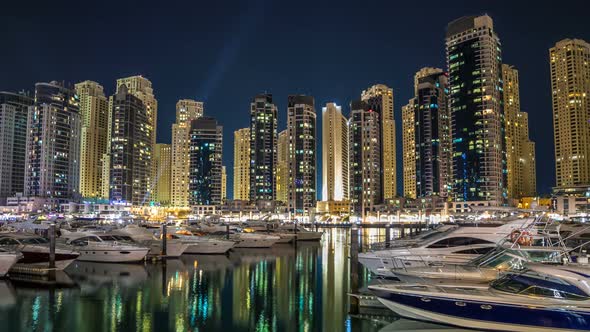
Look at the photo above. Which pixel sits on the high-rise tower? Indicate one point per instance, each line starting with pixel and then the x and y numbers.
pixel 432 133
pixel 14 110
pixel 163 160
pixel 141 88
pixel 242 164
pixel 334 154
pixel 282 173
pixel 263 148
pixel 205 175
pixel 379 98
pixel 474 62
pixel 94 137
pixel 570 85
pixel 53 145
pixel 520 150
pixel 186 111
pixel 131 149
pixel 409 149
pixel 365 157
pixel 301 126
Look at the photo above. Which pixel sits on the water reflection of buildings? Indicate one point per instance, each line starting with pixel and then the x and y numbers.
pixel 286 288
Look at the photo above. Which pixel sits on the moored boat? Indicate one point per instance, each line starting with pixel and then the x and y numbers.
pixel 107 248
pixel 7 261
pixel 35 251
pixel 539 298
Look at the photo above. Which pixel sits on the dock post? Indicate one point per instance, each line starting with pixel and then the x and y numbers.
pixel 164 240
pixel 403 231
pixel 52 246
pixel 227 232
pixel 387 235
pixel 354 275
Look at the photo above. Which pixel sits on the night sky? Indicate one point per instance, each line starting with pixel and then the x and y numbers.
pixel 225 52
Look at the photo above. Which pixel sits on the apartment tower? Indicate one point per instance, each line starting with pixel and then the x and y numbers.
pixel 334 154
pixel 474 62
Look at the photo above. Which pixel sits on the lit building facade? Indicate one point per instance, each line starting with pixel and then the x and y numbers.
pixel 163 161
pixel 242 164
pixel 131 150
pixel 186 111
pixel 205 169
pixel 409 150
pixel 432 134
pixel 263 148
pixel 520 150
pixel 53 145
pixel 282 173
pixel 334 154
pixel 301 126
pixel 141 88
pixel 223 184
pixel 94 112
pixel 570 86
pixel 379 98
pixel 474 61
pixel 365 158
pixel 14 110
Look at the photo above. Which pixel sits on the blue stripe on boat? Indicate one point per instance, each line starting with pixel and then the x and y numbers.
pixel 499 313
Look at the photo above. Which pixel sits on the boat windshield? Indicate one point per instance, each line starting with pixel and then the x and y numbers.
pixel 431 237
pixel 544 256
pixel 502 258
pixel 34 240
pixel 115 238
pixel 534 285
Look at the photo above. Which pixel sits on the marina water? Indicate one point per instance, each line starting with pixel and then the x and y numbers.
pixel 301 287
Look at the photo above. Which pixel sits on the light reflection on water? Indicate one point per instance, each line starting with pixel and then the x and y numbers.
pixel 286 288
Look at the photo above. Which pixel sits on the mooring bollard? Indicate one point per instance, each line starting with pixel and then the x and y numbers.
pixel 164 240
pixel 52 246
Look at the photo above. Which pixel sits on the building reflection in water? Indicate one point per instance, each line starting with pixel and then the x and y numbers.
pixel 299 287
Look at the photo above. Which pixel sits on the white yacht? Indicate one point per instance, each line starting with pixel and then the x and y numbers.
pixel 145 237
pixel 539 298
pixel 35 251
pixel 482 269
pixel 7 261
pixel 107 248
pixel 198 244
pixel 254 240
pixel 301 233
pixel 456 245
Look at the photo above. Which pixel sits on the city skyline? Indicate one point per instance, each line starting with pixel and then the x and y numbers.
pixel 232 114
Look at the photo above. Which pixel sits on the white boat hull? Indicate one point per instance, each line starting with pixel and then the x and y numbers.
pixel 173 248
pixel 7 261
pixel 112 255
pixel 309 236
pixel 209 247
pixel 423 315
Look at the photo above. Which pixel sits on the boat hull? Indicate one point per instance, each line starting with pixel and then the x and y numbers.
pixel 6 262
pixel 112 255
pixel 173 248
pixel 38 257
pixel 309 236
pixel 484 315
pixel 209 247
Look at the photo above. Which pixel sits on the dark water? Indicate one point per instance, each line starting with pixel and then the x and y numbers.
pixel 285 288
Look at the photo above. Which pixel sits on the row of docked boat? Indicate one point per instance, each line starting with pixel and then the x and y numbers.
pixel 132 243
pixel 525 279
